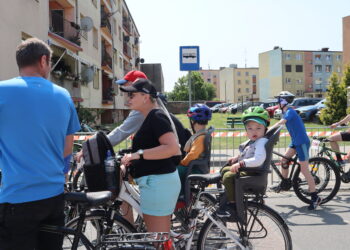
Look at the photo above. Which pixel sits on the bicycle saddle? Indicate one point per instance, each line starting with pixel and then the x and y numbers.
pixel 208 178
pixel 90 199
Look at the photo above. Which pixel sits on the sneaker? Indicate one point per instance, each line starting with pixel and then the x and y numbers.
pixel 315 203
pixel 282 186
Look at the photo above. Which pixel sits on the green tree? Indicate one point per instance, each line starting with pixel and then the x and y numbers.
pixel 335 102
pixel 346 82
pixel 200 90
pixel 88 116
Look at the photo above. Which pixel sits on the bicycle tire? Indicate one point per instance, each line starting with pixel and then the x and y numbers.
pixel 326 188
pixel 93 228
pixel 259 217
pixel 78 181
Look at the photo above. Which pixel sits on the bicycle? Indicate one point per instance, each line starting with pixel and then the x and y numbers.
pixel 106 236
pixel 322 170
pixel 319 145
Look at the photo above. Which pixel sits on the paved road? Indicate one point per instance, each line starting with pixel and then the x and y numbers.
pixel 326 228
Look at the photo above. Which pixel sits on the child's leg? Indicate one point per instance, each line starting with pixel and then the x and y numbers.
pixel 228 181
pixel 303 154
pixel 182 170
pixel 284 164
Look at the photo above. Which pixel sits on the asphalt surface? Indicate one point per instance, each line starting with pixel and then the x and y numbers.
pixel 327 227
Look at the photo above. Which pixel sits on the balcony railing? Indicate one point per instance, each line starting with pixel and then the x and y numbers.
pixel 126 50
pixel 126 24
pixel 106 59
pixel 64 28
pixel 105 21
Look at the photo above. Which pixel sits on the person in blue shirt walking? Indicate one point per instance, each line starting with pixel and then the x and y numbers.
pixel 300 144
pixel 37 123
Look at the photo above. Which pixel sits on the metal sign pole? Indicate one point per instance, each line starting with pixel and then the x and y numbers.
pixel 189 89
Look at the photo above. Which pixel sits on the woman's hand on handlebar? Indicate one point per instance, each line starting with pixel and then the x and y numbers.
pixel 126 160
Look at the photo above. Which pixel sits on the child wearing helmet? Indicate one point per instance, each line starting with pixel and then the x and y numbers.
pixel 300 144
pixel 199 115
pixel 252 154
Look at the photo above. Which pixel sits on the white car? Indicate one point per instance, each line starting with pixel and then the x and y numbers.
pixel 278 114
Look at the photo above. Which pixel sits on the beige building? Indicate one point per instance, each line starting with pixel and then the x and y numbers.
pixel 346 40
pixel 212 76
pixel 94 43
pixel 239 84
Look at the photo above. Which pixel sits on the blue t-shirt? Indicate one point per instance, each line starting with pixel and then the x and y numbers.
pixel 35 118
pixel 295 127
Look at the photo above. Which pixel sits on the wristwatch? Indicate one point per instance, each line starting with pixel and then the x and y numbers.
pixel 140 153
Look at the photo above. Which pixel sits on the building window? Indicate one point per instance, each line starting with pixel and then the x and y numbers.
pixel 338 69
pixel 318 57
pixel 328 68
pixel 287 56
pixel 328 57
pixel 288 68
pixel 120 33
pixel 298 57
pixel 288 80
pixel 310 74
pixel 239 81
pixel 299 81
pixel 253 79
pixel 247 90
pixel 239 90
pixel 338 57
pixel 318 68
pixel 95 37
pixel 246 81
pixel 214 76
pixel 96 80
pixel 246 73
pixel 298 68
pixel 238 73
pixel 208 80
pixel 120 62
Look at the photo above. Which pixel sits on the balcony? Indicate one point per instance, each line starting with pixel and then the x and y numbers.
pixel 126 24
pixel 127 50
pixel 64 28
pixel 107 90
pixel 105 23
pixel 106 59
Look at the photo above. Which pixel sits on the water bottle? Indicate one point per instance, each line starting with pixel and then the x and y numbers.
pixel 110 171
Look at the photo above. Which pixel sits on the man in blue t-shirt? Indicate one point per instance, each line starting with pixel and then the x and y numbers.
pixel 300 144
pixel 37 123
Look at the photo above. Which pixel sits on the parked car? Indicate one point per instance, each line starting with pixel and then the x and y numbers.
pixel 224 107
pixel 297 103
pixel 307 113
pixel 271 110
pixel 212 103
pixel 232 108
pixel 269 103
pixel 216 107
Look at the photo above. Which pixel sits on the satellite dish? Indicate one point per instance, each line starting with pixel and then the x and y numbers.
pixel 86 23
pixel 87 74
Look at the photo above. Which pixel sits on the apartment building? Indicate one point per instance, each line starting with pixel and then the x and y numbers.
pixel 303 73
pixel 239 84
pixel 212 76
pixel 94 43
pixel 346 40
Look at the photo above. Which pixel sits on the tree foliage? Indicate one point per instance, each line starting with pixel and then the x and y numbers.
pixel 335 102
pixel 200 90
pixel 88 116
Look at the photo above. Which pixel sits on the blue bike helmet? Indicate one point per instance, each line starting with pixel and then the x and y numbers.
pixel 199 113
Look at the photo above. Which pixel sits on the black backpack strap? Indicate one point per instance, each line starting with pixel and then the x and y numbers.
pixel 89 150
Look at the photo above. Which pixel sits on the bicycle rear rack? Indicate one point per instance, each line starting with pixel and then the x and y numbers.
pixel 134 240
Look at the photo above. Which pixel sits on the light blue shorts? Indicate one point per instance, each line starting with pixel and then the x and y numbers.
pixel 159 193
pixel 302 151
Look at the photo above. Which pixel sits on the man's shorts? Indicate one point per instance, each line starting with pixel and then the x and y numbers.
pixel 345 136
pixel 159 193
pixel 302 151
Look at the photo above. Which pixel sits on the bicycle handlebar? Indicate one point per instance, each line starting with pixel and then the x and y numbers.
pixel 321 138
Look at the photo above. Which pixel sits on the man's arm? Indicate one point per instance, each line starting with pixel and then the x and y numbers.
pixel 131 124
pixel 277 124
pixel 68 146
pixel 345 120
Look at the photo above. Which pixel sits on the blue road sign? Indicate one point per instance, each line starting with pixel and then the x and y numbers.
pixel 189 58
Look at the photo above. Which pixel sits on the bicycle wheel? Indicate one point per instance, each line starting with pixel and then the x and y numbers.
pixel 94 227
pixel 265 230
pixel 326 176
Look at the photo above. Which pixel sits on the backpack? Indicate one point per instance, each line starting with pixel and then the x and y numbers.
pixel 94 153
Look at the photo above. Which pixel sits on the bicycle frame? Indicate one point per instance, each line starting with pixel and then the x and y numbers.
pixel 129 194
pixel 294 166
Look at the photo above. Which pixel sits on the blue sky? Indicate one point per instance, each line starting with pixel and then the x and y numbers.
pixel 233 31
